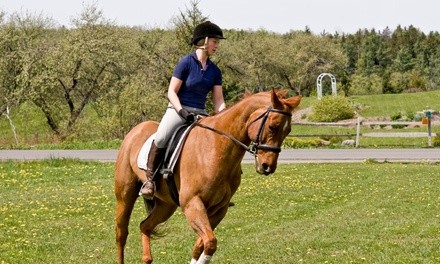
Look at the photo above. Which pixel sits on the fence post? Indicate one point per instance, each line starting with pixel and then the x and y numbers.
pixel 428 115
pixel 358 131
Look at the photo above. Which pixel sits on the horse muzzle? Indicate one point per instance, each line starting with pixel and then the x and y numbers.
pixel 266 163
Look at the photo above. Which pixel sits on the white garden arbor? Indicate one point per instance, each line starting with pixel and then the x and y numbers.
pixel 319 84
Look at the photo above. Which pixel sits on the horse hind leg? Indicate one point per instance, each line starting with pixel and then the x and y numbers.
pixel 126 192
pixel 124 208
pixel 160 213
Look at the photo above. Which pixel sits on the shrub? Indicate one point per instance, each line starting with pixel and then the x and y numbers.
pixel 363 84
pixel 294 142
pixel 418 116
pixel 402 116
pixel 396 116
pixel 410 116
pixel 331 109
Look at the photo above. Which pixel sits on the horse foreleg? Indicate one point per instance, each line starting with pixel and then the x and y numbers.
pixel 197 250
pixel 159 214
pixel 202 258
pixel 199 256
pixel 197 217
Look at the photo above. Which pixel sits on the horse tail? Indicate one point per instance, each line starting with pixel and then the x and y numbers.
pixel 159 231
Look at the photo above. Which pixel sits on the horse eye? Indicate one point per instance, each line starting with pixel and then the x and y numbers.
pixel 273 128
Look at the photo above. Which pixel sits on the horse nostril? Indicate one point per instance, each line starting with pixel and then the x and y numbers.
pixel 266 167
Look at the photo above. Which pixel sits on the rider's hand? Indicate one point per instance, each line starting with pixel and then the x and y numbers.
pixel 188 116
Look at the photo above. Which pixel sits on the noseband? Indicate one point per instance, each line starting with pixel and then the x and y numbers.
pixel 256 145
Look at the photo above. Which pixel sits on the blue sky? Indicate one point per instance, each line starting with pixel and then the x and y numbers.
pixel 275 15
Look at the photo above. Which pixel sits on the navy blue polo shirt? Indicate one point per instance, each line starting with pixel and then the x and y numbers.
pixel 196 83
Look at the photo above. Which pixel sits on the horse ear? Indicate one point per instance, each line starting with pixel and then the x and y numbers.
pixel 246 93
pixel 282 94
pixel 293 102
pixel 276 103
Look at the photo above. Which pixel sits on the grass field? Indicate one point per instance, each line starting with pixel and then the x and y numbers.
pixel 389 104
pixel 62 211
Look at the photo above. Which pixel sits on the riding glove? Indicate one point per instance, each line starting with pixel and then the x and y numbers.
pixel 188 116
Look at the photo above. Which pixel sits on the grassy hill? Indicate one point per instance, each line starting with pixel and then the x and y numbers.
pixel 385 105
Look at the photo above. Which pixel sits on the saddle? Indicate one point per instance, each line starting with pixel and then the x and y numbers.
pixel 172 154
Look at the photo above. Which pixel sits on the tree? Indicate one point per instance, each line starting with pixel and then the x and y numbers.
pixel 77 67
pixel 434 67
pixel 312 55
pixel 366 84
pixel 185 22
pixel 72 69
pixel 21 40
pixel 263 60
pixel 139 96
pixel 373 54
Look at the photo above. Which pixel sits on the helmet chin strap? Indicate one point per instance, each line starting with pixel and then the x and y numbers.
pixel 204 48
pixel 205 45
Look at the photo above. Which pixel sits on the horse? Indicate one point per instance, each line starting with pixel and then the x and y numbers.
pixel 208 171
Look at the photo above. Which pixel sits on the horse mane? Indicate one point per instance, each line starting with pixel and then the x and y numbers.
pixel 282 93
pixel 247 95
pixel 260 99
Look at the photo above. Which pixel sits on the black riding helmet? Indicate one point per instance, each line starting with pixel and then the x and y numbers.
pixel 206 29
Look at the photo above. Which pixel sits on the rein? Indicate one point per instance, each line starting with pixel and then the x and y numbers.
pixel 255 146
pixel 226 135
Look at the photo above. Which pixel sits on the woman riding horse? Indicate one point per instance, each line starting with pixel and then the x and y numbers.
pixel 193 78
pixel 208 171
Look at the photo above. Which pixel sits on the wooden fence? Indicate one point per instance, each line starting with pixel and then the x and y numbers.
pixel 359 123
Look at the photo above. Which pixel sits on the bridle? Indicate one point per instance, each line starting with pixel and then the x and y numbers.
pixel 257 144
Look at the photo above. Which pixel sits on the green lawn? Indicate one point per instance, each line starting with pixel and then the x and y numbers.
pixel 389 104
pixel 62 211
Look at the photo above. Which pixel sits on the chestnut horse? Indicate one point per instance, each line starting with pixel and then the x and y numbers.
pixel 208 171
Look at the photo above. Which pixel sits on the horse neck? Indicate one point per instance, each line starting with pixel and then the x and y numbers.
pixel 233 120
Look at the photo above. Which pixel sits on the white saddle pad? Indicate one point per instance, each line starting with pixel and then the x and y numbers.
pixel 143 154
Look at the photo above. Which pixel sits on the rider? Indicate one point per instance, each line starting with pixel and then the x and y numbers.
pixel 194 76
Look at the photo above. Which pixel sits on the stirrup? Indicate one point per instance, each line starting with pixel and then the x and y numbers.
pixel 144 185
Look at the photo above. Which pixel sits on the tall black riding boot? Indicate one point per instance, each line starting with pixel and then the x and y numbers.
pixel 155 156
